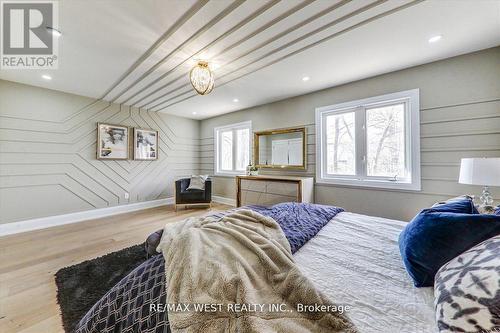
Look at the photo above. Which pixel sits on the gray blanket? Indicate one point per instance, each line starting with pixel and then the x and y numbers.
pixel 238 275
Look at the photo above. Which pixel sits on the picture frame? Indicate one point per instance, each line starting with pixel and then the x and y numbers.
pixel 145 144
pixel 112 142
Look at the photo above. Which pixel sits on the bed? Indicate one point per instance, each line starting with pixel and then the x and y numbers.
pixel 354 259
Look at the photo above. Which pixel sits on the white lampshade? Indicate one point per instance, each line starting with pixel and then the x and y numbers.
pixel 480 171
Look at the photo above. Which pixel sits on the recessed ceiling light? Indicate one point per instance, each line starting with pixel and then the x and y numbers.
pixel 46 77
pixel 54 31
pixel 306 78
pixel 435 39
pixel 236 100
pixel 194 112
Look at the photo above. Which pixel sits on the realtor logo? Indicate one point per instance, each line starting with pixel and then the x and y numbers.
pixel 27 42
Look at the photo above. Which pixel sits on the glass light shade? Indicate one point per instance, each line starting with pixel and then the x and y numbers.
pixel 202 78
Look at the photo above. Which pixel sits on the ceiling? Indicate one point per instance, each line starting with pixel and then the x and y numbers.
pixel 139 52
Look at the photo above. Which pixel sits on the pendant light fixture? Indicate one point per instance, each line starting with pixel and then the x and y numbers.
pixel 202 78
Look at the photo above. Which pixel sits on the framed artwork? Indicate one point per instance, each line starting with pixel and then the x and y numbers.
pixel 112 142
pixel 145 144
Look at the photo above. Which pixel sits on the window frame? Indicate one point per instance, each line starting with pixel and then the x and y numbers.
pixel 359 107
pixel 217 147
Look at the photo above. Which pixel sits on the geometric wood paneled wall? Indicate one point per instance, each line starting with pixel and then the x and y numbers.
pixel 48 162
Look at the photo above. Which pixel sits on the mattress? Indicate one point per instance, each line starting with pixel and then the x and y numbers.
pixel 355 261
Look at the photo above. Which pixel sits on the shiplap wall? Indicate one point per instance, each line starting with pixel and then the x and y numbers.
pixel 460 117
pixel 48 162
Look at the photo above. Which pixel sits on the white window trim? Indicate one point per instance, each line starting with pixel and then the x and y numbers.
pixel 413 142
pixel 241 125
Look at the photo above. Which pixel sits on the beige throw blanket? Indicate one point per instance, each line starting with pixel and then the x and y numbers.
pixel 238 275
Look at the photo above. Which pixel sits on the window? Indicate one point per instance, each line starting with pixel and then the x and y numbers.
pixel 232 148
pixel 374 142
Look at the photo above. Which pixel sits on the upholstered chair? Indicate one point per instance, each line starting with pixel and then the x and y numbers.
pixel 185 197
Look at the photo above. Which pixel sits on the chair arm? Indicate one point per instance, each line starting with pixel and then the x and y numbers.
pixel 208 190
pixel 180 186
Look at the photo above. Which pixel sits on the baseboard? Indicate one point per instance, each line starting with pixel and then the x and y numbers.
pixel 52 221
pixel 224 200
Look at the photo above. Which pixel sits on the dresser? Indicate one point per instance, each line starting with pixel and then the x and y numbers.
pixel 269 190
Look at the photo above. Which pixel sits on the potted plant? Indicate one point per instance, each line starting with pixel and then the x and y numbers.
pixel 252 170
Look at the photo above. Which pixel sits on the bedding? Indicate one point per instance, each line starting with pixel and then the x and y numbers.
pixel 436 236
pixel 462 204
pixel 243 259
pixel 353 259
pixel 299 222
pixel 125 308
pixel 127 303
pixel 467 290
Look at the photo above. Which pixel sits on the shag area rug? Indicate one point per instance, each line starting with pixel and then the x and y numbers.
pixel 80 286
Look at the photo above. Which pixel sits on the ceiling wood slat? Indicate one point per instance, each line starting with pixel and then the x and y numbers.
pixel 268 41
pixel 233 45
pixel 282 47
pixel 200 31
pixel 362 23
pixel 180 22
pixel 144 59
pixel 246 20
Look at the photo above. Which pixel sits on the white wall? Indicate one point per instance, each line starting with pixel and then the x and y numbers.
pixel 460 117
pixel 48 162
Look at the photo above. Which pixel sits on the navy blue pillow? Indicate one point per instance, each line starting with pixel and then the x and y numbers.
pixel 497 210
pixel 435 237
pixel 463 204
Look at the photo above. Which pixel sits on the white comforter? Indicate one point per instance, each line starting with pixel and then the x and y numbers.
pixel 355 261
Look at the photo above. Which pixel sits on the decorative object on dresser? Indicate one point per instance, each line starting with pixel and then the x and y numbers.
pixel 185 196
pixel 281 148
pixel 145 144
pixel 481 171
pixel 252 170
pixel 269 190
pixel 112 142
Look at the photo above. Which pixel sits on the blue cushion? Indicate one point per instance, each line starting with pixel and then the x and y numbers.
pixel 497 210
pixel 463 204
pixel 435 237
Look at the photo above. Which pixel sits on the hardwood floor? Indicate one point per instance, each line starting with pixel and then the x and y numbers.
pixel 28 261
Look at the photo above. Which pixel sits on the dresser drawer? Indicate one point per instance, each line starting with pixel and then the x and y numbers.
pixel 274 187
pixel 253 185
pixel 272 199
pixel 266 199
pixel 283 188
pixel 269 190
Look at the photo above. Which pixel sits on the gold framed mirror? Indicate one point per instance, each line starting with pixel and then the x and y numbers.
pixel 283 148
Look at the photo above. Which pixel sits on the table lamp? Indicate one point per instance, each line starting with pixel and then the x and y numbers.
pixel 481 171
